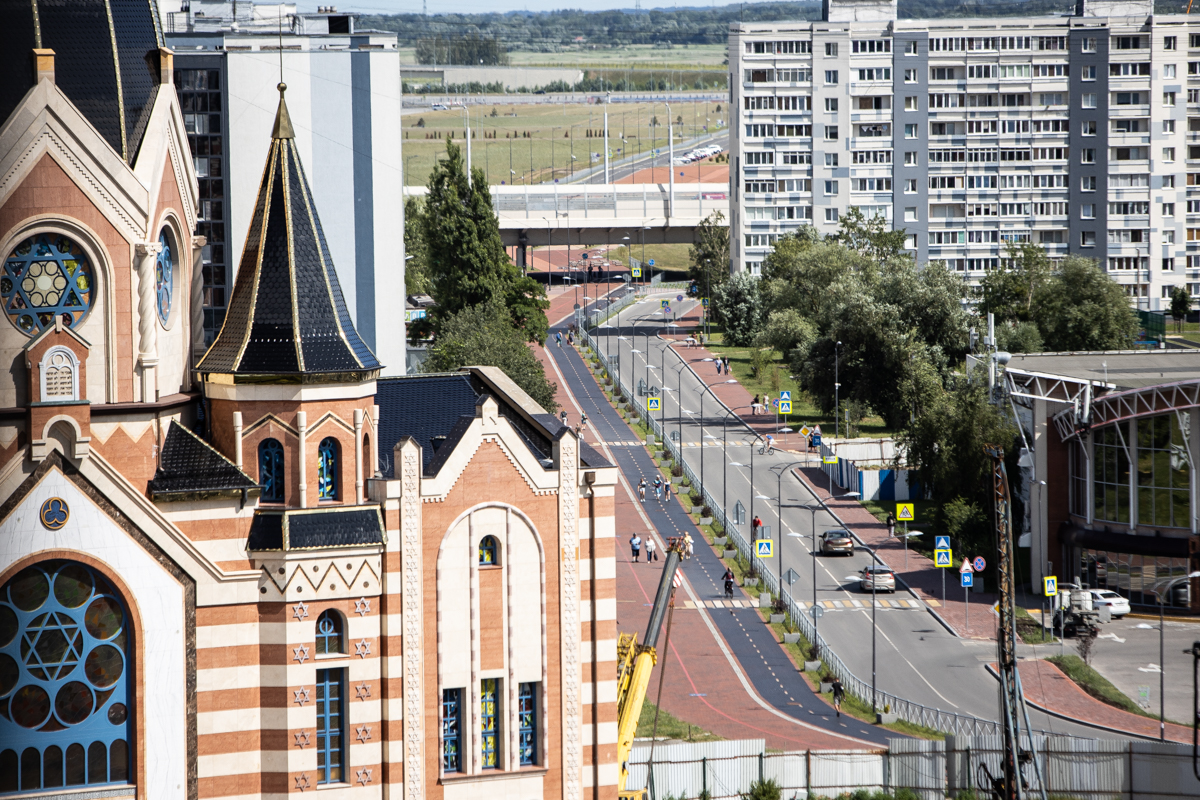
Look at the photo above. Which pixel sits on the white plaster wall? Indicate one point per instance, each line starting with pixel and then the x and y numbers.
pixel 158 598
pixel 525 600
pixel 454 614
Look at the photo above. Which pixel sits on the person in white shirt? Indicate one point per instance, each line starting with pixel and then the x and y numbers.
pixel 651 552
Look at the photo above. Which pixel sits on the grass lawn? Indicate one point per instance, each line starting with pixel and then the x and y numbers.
pixel 670 726
pixel 1030 629
pixel 804 411
pixel 667 257
pixel 556 131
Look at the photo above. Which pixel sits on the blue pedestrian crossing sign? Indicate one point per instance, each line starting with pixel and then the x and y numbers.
pixel 786 394
pixel 664 303
pixel 785 406
pixel 1050 586
pixel 764 548
pixel 653 404
pixel 968 579
pixel 637 272
pixel 943 558
pixel 941 543
pixel 704 302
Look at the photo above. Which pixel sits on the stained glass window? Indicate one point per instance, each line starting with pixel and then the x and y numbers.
pixel 270 470
pixel 327 469
pixel 489 715
pixel 331 736
pixel 164 277
pixel 527 723
pixel 451 730
pixel 46 276
pixel 64 693
pixel 329 633
pixel 487 551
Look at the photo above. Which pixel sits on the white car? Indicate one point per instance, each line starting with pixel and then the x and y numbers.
pixel 1118 606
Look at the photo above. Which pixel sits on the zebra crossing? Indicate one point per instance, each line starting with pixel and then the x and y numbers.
pixel 895 604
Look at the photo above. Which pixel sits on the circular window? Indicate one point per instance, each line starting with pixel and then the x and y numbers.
pixel 164 276
pixel 46 276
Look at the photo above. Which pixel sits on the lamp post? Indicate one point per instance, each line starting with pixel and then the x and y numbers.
pixel 703 390
pixel 1162 666
pixel 779 513
pixel 812 510
pixel 836 392
pixel 725 460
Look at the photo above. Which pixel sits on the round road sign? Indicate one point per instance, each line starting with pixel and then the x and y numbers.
pixel 979 563
pixel 679 298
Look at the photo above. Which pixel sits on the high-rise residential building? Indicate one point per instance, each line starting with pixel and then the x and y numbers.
pixel 344 93
pixel 1079 133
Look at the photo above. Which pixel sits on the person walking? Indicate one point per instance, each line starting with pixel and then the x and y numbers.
pixel 754 406
pixel 839 692
pixel 635 544
pixel 726 365
pixel 651 549
pixel 718 366
pixel 558 339
pixel 642 490
pixel 658 487
pixel 891 525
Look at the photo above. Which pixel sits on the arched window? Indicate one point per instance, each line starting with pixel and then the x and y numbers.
pixel 368 467
pixel 164 276
pixel 327 469
pixel 488 551
pixel 44 277
pixel 270 470
pixel 64 680
pixel 329 633
pixel 59 372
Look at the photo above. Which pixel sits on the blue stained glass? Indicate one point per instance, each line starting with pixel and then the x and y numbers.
pixel 331 734
pixel 164 277
pixel 329 633
pixel 327 469
pixel 64 693
pixel 45 277
pixel 451 730
pixel 270 470
pixel 527 723
pixel 487 551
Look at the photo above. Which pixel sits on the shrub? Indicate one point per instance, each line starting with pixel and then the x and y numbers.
pixel 676 470
pixel 763 790
pixel 779 606
pixel 706 511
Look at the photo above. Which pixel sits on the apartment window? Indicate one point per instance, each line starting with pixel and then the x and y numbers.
pixel 910 104
pixel 1087 239
pixel 831 215
pixel 831 76
pixel 831 104
pixel 1087 183
pixel 1168 154
pixel 831 159
pixel 910 76
pixel 910 131
pixel 1128 153
pixel 941 73
pixel 831 49
pixel 489 722
pixel 871 45
pixel 1127 69
pixel 1128 43
pixel 910 214
pixel 527 724
pixel 910 48
pixel 1087 155
pixel 1168 182
pixel 1088 100
pixel 1168 210
pixel 1089 45
pixel 831 133
pixel 1051 99
pixel 1168 265
pixel 452 730
pixel 874 103
pixel 1168 70
pixel 1168 99
pixel 1087 211
pixel 910 158
pixel 1169 43
pixel 831 188
pixel 331 731
pixel 910 186
pixel 875 74
pixel 936 129
pixel 1088 74
pixel 1168 126
pixel 1130 126
pixel 1127 98
pixel 1169 236
pixel 1089 128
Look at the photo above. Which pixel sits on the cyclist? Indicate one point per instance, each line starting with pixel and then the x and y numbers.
pixel 839 692
pixel 728 578
pixel 768 445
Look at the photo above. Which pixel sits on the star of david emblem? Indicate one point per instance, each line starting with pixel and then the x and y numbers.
pixel 364 775
pixel 302 739
pixel 362 606
pixel 300 610
pixel 300 653
pixel 364 733
pixel 301 696
pixel 302 781
pixel 362 649
pixel 362 691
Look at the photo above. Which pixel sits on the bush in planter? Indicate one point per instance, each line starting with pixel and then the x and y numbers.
pixel 676 470
pixel 779 606
pixel 707 512
pixel 696 498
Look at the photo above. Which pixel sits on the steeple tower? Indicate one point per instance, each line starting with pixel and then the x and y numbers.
pixel 287 318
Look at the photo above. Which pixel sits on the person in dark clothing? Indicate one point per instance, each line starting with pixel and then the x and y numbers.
pixel 839 692
pixel 891 526
pixel 728 580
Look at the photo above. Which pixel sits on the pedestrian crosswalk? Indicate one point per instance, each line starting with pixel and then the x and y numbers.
pixel 639 444
pixel 900 604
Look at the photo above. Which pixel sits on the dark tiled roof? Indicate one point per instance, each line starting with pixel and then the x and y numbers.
pixel 102 62
pixel 312 529
pixel 287 315
pixel 189 465
pixel 591 457
pixel 422 407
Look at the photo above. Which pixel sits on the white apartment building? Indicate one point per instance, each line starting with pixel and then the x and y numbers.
pixel 1079 132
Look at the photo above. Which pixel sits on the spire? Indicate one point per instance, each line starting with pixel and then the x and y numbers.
pixel 287 318
pixel 283 122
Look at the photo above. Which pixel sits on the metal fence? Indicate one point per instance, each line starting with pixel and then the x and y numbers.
pixel 907 710
pixel 1085 769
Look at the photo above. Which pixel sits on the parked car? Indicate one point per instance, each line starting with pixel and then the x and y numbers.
pixel 837 540
pixel 1118 606
pixel 883 578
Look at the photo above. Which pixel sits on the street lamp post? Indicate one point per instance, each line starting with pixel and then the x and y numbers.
pixel 725 461
pixel 779 514
pixel 703 390
pixel 812 510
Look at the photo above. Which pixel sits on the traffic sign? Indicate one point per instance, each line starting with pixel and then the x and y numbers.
pixel 653 404
pixel 943 558
pixel 651 262
pixel 704 302
pixel 979 564
pixel 830 459
pixel 905 512
pixel 679 298
pixel 785 406
pixel 585 257
pixel 637 272
pixel 941 543
pixel 815 612
pixel 664 303
pixel 786 394
pixel 763 548
pixel 968 580
pixel 816 438
pixel 966 566
pixel 805 430
pixel 1050 586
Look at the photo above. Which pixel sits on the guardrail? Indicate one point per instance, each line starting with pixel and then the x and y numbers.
pixel 907 710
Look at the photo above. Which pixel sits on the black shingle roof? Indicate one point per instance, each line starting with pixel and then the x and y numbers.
pixel 189 465
pixel 287 315
pixel 311 529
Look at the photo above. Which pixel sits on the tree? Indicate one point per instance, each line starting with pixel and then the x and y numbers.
pixel 1009 292
pixel 786 332
pixel 1082 308
pixel 416 270
pixel 739 306
pixel 483 335
pixel 709 256
pixel 466 259
pixel 1181 304
pixel 873 238
pixel 800 269
pixel 1023 337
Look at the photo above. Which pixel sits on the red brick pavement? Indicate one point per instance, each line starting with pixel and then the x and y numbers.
pixel 1047 686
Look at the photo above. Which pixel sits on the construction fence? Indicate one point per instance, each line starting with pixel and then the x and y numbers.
pixel 962 766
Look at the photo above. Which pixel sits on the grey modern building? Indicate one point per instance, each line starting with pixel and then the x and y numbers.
pixel 1080 133
pixel 344 96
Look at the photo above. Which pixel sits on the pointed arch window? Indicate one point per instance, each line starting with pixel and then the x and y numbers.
pixel 270 470
pixel 327 469
pixel 330 639
pixel 164 276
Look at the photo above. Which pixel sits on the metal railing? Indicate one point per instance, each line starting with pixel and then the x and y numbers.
pixel 907 710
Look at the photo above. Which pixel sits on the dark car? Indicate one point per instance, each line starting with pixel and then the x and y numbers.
pixel 837 540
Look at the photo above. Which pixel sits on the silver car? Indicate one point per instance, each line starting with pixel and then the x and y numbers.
pixel 883 578
pixel 837 540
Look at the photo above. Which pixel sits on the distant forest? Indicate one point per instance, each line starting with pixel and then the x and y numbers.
pixel 470 38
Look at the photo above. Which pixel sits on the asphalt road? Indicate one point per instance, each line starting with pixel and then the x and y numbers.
pixel 1126 652
pixel 916 656
pixel 631 164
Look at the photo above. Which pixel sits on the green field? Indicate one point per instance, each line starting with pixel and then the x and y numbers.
pixel 634 56
pixel 536 141
pixel 668 257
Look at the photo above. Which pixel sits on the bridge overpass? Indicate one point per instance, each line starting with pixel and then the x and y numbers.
pixel 581 213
